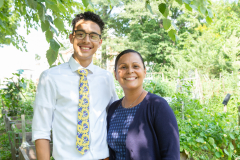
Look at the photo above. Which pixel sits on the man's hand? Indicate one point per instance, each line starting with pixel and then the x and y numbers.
pixel 42 149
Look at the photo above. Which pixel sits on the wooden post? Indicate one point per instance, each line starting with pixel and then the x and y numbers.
pixel 225 108
pixel 24 142
pixel 182 110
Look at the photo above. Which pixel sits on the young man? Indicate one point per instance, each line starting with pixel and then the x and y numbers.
pixel 72 98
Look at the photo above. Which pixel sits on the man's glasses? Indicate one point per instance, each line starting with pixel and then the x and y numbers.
pixel 80 34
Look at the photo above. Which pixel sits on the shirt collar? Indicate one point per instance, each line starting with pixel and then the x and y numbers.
pixel 74 65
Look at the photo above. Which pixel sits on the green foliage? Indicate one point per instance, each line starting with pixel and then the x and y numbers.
pixel 206 132
pixel 154 86
pixel 19 95
pixel 5 149
pixel 212 49
pixel 158 87
pixel 51 15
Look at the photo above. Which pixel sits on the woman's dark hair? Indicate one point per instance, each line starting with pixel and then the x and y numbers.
pixel 88 16
pixel 125 52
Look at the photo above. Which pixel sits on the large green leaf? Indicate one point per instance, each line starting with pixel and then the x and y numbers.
pixel 1 3
pixel 41 13
pixel 85 3
pixel 59 24
pixel 163 9
pixel 51 56
pixel 166 23
pixel 49 35
pixel 45 26
pixel 54 45
pixel 171 34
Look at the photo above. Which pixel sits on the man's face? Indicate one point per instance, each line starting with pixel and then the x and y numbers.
pixel 85 48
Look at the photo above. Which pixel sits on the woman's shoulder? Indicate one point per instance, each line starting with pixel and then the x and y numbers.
pixel 155 99
pixel 155 102
pixel 114 105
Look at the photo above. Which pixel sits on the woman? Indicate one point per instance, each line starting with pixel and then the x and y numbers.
pixel 141 125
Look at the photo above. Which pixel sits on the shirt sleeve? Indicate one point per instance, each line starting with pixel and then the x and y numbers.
pixel 166 129
pixel 43 108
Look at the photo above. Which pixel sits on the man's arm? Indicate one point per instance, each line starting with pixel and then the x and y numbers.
pixel 43 116
pixel 42 149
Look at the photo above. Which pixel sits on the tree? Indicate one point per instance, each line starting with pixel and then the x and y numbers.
pixel 211 49
pixel 51 15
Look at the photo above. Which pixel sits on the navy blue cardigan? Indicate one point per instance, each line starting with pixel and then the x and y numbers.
pixel 153 134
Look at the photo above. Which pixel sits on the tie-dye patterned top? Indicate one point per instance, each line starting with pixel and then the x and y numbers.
pixel 118 128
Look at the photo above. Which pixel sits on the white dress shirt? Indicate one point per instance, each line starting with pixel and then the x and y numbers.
pixel 56 109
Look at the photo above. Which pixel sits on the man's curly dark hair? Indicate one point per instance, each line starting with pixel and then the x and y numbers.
pixel 88 16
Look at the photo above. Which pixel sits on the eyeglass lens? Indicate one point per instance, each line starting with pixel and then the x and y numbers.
pixel 82 34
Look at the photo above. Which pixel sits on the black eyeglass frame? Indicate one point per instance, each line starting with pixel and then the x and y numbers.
pixel 88 33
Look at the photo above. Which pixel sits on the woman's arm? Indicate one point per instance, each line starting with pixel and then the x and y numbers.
pixel 166 128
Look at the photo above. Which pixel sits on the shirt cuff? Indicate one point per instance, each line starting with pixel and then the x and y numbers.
pixel 40 135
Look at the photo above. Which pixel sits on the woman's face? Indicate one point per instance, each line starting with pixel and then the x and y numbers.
pixel 130 71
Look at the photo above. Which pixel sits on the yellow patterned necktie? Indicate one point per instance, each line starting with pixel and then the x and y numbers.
pixel 82 143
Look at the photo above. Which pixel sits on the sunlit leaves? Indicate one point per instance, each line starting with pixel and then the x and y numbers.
pixel 166 23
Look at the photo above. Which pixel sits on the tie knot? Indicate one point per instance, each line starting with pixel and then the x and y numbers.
pixel 83 72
